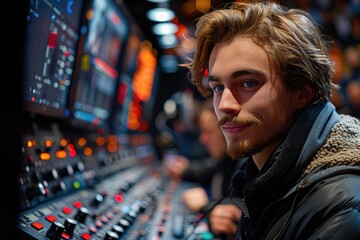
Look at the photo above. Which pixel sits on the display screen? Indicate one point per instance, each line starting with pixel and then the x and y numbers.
pixel 103 42
pixel 136 91
pixel 52 34
pixel 124 90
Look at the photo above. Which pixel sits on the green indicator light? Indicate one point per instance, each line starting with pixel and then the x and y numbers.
pixel 76 184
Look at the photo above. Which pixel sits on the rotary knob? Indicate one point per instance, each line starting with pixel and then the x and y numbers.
pixel 70 225
pixel 55 231
pixel 82 214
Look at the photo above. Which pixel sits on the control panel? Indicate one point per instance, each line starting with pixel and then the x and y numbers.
pixel 99 187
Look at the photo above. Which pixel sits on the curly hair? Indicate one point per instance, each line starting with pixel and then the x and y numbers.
pixel 297 49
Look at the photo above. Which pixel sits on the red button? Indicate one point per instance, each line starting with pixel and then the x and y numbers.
pixel 77 204
pixel 85 236
pixel 118 198
pixel 67 210
pixel 51 218
pixel 65 235
pixel 37 225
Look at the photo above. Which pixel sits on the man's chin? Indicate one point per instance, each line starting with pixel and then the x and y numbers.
pixel 236 151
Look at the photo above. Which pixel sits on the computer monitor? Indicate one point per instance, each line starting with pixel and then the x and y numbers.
pixel 104 37
pixel 52 34
pixel 136 91
pixel 124 88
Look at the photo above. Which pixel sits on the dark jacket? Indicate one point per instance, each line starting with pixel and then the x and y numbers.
pixel 309 188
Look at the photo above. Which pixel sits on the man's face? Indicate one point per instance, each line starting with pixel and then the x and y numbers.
pixel 252 103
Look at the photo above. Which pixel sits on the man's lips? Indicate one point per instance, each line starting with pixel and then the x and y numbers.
pixel 234 128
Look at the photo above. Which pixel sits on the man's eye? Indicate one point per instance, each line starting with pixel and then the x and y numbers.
pixel 217 88
pixel 249 84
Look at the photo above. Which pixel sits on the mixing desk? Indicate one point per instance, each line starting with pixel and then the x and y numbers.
pixel 136 203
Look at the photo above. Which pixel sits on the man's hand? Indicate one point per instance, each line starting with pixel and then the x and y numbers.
pixel 223 219
pixel 175 165
pixel 195 198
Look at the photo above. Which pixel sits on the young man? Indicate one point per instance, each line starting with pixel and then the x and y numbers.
pixel 269 73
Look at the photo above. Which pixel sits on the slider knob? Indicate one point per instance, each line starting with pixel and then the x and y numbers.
pixel 82 214
pixel 55 231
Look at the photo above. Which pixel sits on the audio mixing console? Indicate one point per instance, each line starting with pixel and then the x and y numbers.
pixel 105 195
pixel 136 203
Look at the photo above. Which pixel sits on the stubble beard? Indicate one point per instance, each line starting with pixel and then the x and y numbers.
pixel 238 149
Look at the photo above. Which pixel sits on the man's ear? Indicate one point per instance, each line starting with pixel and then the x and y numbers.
pixel 305 95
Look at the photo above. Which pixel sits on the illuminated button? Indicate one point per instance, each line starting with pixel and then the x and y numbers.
pixel 76 184
pixel 67 210
pixel 118 198
pixel 77 204
pixel 65 236
pixel 51 218
pixel 60 154
pixel 45 156
pixel 86 236
pixel 37 225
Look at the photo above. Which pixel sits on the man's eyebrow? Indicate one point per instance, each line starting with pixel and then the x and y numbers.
pixel 238 74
